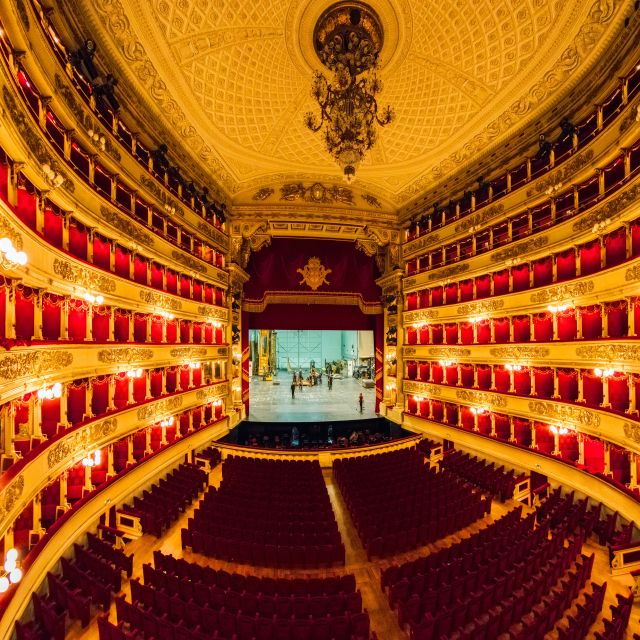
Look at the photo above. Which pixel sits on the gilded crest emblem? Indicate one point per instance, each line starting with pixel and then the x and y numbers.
pixel 314 274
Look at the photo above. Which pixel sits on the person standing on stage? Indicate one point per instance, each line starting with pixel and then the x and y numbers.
pixel 293 390
pixel 361 401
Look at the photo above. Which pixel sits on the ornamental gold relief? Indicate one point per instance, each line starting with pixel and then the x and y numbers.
pixel 11 495
pixel 474 308
pixel 411 386
pixel 83 277
pixel 449 272
pixel 314 273
pixel 80 441
pixel 33 363
pixel 188 261
pixel 124 355
pixel 128 227
pixel 420 244
pixel 563 412
pixel 449 352
pixel 608 210
pixel 420 316
pixel 563 174
pixel 562 292
pixel 189 352
pixel 612 353
pixel 209 311
pixel 479 218
pixel 632 431
pixel 632 273
pixel 520 249
pixel 518 353
pixel 159 408
pixel 160 300
pixel 481 397
pixel 209 396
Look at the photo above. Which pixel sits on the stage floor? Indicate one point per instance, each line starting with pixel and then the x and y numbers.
pixel 273 403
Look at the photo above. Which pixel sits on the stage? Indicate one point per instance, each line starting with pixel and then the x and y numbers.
pixel 269 402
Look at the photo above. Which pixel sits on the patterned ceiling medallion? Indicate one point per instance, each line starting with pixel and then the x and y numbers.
pixel 317 193
pixel 314 274
pixel 263 194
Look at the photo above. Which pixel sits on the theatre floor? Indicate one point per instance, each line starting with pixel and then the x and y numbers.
pixel 269 402
pixel 367 574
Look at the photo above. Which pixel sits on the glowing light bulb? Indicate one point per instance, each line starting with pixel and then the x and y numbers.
pixel 5 245
pixel 12 554
pixel 4 584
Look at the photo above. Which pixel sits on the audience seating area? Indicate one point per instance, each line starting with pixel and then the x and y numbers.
pixel 398 503
pixel 615 628
pixel 267 513
pixel 499 482
pixel 160 506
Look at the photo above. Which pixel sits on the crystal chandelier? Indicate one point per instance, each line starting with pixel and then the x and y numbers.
pixel 348 38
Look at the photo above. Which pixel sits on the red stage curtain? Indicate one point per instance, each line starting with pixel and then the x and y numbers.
pixel 50 416
pixel 466 290
pixel 52 228
pixel 544 437
pixel 156 276
pixel 593 455
pixel 466 375
pixel 483 286
pixel 590 258
pixel 522 431
pixel 122 262
pixel 483 331
pixel 424 371
pixel 101 251
pixel 78 239
pixel 502 379
pixel 451 375
pixel 140 388
pixel 522 382
pixel 100 397
pixel 501 282
pixel 543 327
pixel 566 265
pixel 502 426
pixel 466 332
pixel 437 373
pixel 451 333
pixel 121 326
pixel 543 271
pixel 140 327
pixel 501 330
pixel 412 370
pixel 423 334
pixel 567 325
pixel 451 293
pixel 100 323
pixel 617 319
pixel 591 322
pixel 484 376
pixel 171 379
pixel 520 277
pixel 568 385
pixel 619 392
pixel 172 281
pixel 24 309
pixel 521 329
pixel 140 265
pixel 26 208
pixel 412 335
pixel 121 390
pixel 156 383
pixel 615 245
pixel 76 402
pixel 436 334
pixel 77 319
pixel 619 463
pixel 51 316
pixel 156 329
pixel 436 296
pixel 568 444
pixel 592 389
pixel 543 382
pixel 468 419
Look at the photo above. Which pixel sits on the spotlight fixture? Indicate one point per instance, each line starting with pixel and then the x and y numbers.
pixel 348 38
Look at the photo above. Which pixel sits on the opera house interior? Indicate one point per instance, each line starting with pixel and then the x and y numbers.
pixel 392 245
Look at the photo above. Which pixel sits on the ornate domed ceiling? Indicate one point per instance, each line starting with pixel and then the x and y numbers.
pixel 232 78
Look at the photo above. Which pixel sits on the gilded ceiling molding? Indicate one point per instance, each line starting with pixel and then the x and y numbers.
pixel 160 300
pixel 124 355
pixel 481 397
pixel 34 363
pixel 601 13
pixel 159 408
pixel 420 316
pixel 189 353
pixel 126 226
pixel 83 117
pixel 485 306
pixel 609 209
pixel 447 353
pixel 413 386
pixel 309 297
pixel 33 139
pixel 81 440
pixel 611 353
pixel 372 201
pixel 565 412
pixel 316 193
pixel 448 272
pixel 11 495
pixel 149 183
pixel 114 19
pixel 263 193
pixel 83 277
pixel 563 292
pixel 519 353
pixel 520 249
pixel 478 219
pixel 563 174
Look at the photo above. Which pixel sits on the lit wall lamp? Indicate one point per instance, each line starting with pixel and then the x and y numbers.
pixel 54 178
pixel 92 298
pixel 12 573
pixel 553 189
pixel 599 227
pixel 446 363
pixel 513 367
pixel 165 314
pixel 167 422
pixel 50 393
pixel 557 308
pixel 194 365
pixel 93 459
pixel 604 373
pixel 97 140
pixel 134 373
pixel 560 429
pixel 9 257
pixel 478 411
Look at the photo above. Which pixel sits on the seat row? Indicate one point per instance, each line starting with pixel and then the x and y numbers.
pixel 615 628
pixel 106 551
pixel 578 626
pixel 191 573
